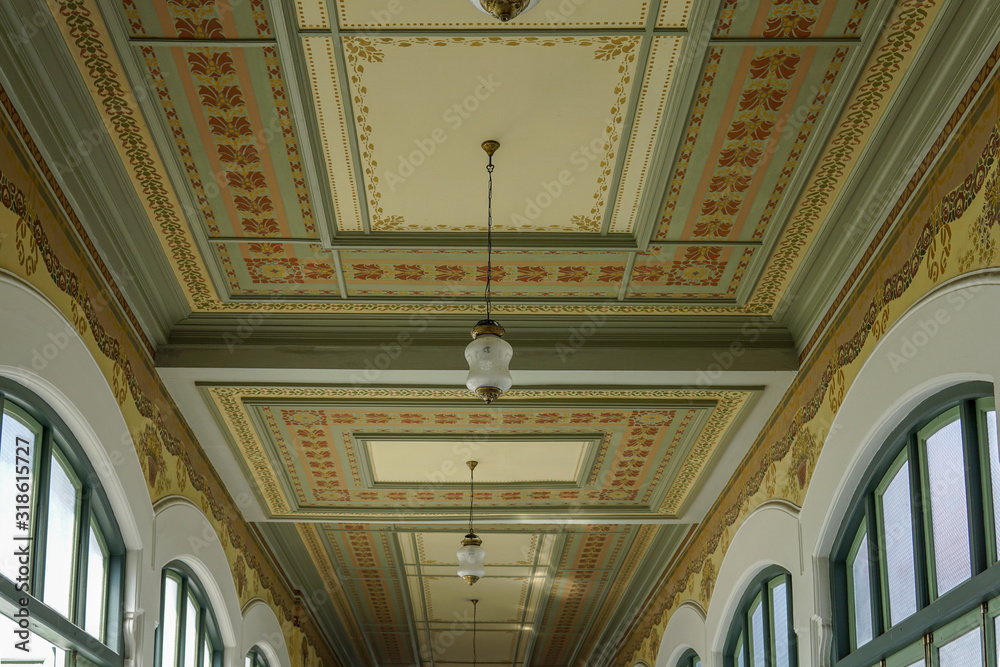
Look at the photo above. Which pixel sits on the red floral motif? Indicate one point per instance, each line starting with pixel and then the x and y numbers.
pixel 213 64
pixel 222 99
pixel 259 227
pixel 779 64
pixel 740 155
pixel 712 228
pixel 611 274
pixel 409 272
pixel 721 205
pixel 789 25
pixel 734 180
pixel 451 273
pixel 531 274
pixel 367 271
pixel 756 128
pixel 499 273
pixel 648 273
pixel 251 180
pixel 239 156
pixel 319 271
pixel 230 128
pixel 208 29
pixel 572 274
pixel 763 98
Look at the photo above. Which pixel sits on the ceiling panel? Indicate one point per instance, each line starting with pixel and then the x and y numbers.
pixel 306 448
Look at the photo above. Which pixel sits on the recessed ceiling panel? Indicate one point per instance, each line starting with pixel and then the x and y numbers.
pixel 434 461
pixel 557 105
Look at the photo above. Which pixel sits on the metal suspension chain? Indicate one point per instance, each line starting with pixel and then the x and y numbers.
pixel 489 241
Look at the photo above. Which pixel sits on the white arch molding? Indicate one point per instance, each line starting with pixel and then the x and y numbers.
pixel 948 337
pixel 685 630
pixel 43 352
pixel 262 630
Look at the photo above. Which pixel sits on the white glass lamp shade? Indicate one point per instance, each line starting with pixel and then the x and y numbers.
pixel 488 356
pixel 471 562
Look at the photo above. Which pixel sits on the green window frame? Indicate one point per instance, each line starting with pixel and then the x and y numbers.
pixel 689 659
pixel 968 601
pixel 83 636
pixel 255 658
pixel 762 594
pixel 207 644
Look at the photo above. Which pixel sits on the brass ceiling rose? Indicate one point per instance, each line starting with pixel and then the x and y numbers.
pixel 504 10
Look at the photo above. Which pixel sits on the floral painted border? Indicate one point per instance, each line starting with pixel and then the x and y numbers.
pixel 956 235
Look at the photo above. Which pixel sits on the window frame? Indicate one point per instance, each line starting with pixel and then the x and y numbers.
pixel 740 633
pixel 57 440
pixel 258 659
pixel 688 659
pixel 208 625
pixel 932 613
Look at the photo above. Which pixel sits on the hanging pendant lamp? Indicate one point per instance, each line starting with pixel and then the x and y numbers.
pixel 503 10
pixel 489 354
pixel 472 555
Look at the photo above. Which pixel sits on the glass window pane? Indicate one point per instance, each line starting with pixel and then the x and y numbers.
pixel 740 660
pixel 779 611
pixel 97 583
pixel 169 625
pixel 861 593
pixel 249 662
pixel 60 538
pixel 949 511
pixel 191 633
pixel 897 527
pixel 962 652
pixel 39 651
pixel 991 430
pixel 757 635
pixel 16 431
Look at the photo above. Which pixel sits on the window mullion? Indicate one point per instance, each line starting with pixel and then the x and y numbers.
pixel 82 556
pixel 182 609
pixel 767 619
pixel 41 518
pixel 874 566
pixel 974 483
pixel 918 518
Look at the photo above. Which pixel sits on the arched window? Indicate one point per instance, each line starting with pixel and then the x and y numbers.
pixel 917 554
pixel 188 635
pixel 62 562
pixel 689 659
pixel 256 659
pixel 761 634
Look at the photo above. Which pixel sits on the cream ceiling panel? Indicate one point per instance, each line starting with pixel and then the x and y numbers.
pixel 502 462
pixel 423 106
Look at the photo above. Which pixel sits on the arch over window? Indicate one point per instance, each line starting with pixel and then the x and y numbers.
pixel 761 634
pixel 61 550
pixel 255 658
pixel 917 553
pixel 188 635
pixel 689 659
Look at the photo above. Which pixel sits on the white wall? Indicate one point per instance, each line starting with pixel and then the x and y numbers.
pixel 42 351
pixel 947 338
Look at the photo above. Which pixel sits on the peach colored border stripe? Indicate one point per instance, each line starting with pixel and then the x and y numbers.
pixel 788 107
pixel 742 72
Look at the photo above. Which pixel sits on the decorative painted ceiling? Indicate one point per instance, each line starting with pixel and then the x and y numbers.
pixel 659 158
pixel 324 156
